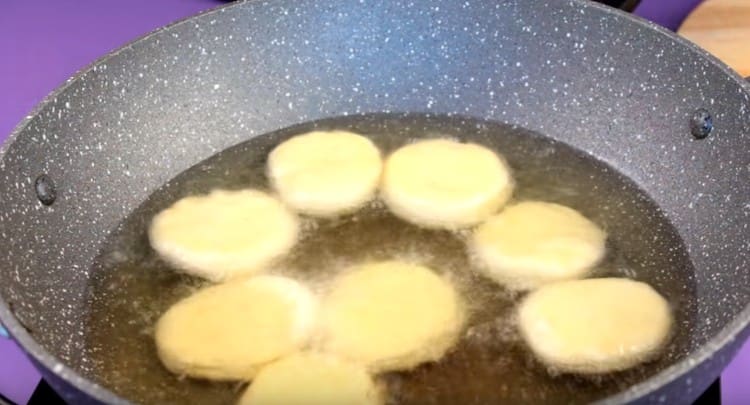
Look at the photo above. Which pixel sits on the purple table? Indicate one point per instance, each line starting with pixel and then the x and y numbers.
pixel 44 42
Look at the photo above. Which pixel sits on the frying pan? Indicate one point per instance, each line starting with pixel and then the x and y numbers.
pixel 656 108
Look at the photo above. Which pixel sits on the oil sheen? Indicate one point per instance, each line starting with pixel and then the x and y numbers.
pixel 131 287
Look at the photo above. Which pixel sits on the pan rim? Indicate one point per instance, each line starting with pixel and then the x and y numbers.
pixel 738 328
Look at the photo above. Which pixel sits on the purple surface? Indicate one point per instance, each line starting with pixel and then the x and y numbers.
pixel 667 13
pixel 44 42
pixel 18 377
pixel 735 381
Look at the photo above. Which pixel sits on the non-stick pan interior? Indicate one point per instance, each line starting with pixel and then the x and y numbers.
pixel 130 286
pixel 582 75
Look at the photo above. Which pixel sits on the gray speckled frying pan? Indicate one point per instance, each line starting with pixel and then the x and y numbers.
pixel 629 93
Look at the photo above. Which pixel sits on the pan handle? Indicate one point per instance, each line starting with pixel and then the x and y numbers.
pixel 626 5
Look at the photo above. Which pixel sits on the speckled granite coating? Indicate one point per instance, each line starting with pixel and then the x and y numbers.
pixel 583 75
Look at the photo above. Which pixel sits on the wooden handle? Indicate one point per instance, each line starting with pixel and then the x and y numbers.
pixel 722 27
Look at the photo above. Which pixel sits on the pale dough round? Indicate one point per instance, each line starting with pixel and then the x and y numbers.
pixel 224 234
pixel 228 331
pixel 312 379
pixel 325 173
pixel 532 243
pixel 596 325
pixel 391 316
pixel 441 183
